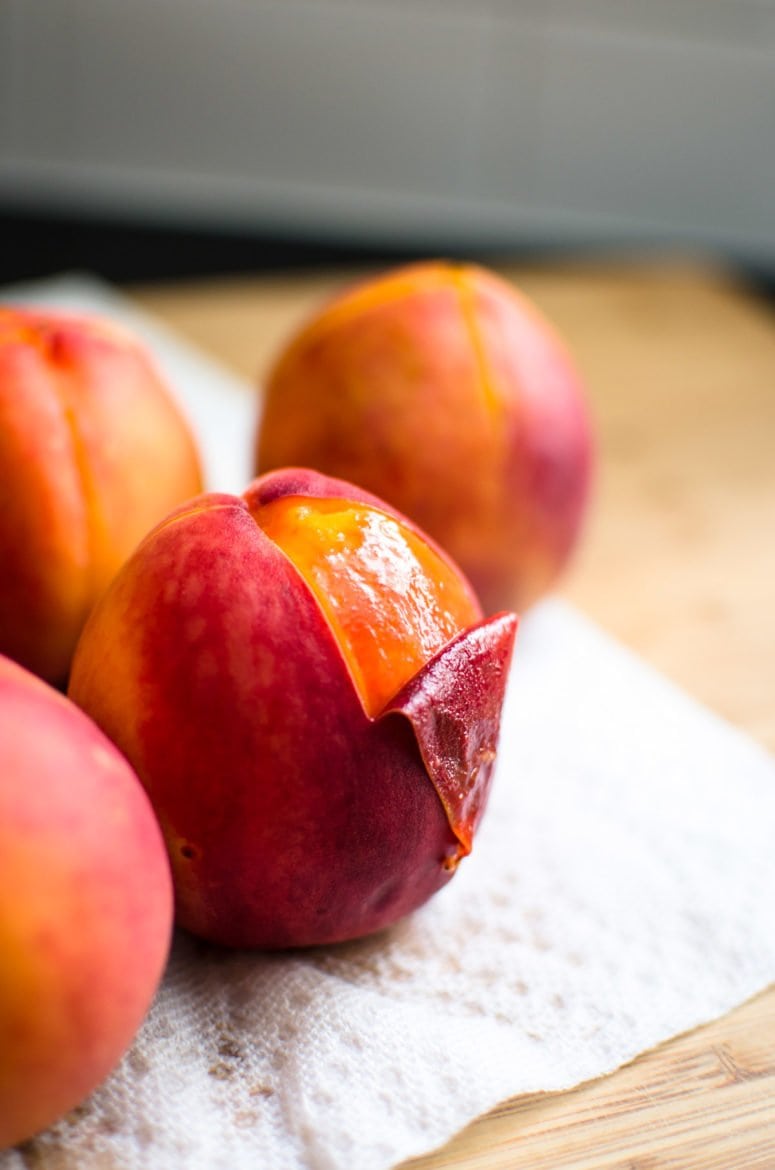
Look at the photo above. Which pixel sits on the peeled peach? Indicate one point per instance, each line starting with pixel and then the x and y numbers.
pixel 444 391
pixel 85 904
pixel 308 691
pixel 93 452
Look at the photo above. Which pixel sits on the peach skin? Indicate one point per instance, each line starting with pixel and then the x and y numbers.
pixel 308 691
pixel 85 905
pixel 444 391
pixel 93 452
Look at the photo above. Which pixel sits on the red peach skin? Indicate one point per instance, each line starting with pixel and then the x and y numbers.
pixel 85 905
pixel 93 452
pixel 291 816
pixel 443 390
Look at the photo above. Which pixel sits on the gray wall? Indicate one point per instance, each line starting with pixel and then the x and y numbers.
pixel 409 121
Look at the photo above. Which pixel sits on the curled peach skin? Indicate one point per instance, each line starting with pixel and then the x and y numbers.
pixel 309 693
pixel 93 452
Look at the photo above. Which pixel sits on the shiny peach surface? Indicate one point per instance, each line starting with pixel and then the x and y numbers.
pixel 391 601
pixel 310 695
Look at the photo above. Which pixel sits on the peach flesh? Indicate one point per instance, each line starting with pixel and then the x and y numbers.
pixel 292 816
pixel 390 600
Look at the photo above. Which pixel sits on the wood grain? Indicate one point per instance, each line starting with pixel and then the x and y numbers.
pixel 701 1102
pixel 678 562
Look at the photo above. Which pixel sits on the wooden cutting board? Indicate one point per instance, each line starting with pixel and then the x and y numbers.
pixel 678 562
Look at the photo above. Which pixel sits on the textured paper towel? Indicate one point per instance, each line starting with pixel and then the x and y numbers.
pixel 620 891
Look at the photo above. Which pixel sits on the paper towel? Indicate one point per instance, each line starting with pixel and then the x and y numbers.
pixel 620 891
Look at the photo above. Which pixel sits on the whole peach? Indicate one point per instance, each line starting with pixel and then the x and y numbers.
pixel 443 390
pixel 307 690
pixel 85 904
pixel 93 452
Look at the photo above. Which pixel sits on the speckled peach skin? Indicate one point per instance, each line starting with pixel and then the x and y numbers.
pixel 442 389
pixel 292 814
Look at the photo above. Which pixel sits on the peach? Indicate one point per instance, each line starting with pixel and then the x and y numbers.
pixel 443 390
pixel 93 452
pixel 85 904
pixel 310 695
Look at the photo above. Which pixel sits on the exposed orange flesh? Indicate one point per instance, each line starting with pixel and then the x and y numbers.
pixel 390 600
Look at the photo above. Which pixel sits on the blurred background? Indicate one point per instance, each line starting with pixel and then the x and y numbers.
pixel 165 138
